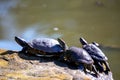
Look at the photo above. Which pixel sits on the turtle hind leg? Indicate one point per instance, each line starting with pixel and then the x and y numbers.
pixel 89 67
pixel 85 66
pixel 107 67
pixel 63 44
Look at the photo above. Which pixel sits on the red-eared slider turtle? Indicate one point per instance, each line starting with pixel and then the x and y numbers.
pixel 42 46
pixel 97 55
pixel 79 57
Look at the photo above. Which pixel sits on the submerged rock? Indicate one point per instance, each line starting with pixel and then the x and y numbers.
pixel 18 66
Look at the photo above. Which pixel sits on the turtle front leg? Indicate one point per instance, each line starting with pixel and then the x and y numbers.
pixel 107 67
pixel 24 50
pixel 95 70
pixel 99 67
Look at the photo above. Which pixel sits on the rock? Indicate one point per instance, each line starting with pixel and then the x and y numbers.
pixel 18 66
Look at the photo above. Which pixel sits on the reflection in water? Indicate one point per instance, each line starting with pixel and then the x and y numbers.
pixel 8 24
pixel 7 20
pixel 33 32
pixel 30 32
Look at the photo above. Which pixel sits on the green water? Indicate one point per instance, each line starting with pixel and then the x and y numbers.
pixel 95 20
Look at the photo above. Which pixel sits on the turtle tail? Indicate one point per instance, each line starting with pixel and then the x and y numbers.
pixel 21 42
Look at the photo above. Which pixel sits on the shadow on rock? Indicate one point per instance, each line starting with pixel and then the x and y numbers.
pixel 8 52
pixel 66 64
pixel 34 57
pixel 43 59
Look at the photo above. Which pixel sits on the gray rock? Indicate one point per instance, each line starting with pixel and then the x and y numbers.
pixel 18 66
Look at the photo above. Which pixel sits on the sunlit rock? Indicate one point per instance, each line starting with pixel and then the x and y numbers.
pixel 18 66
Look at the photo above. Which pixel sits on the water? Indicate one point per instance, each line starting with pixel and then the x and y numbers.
pixel 95 20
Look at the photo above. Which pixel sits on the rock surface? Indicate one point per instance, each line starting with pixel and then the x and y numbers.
pixel 18 66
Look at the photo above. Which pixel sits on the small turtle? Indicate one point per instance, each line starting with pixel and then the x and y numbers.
pixel 79 57
pixel 42 46
pixel 97 55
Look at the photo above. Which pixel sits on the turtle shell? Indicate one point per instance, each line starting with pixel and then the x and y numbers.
pixel 95 52
pixel 42 46
pixel 46 44
pixel 80 55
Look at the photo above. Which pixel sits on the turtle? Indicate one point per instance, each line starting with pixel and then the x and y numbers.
pixel 78 57
pixel 97 55
pixel 42 46
pixel 51 47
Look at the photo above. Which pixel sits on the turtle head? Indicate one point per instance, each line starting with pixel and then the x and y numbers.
pixel 63 44
pixel 96 44
pixel 83 41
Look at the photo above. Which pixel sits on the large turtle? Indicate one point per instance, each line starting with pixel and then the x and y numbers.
pixel 42 46
pixel 79 57
pixel 97 55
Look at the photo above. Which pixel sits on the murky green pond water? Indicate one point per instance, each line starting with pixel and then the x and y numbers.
pixel 95 20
